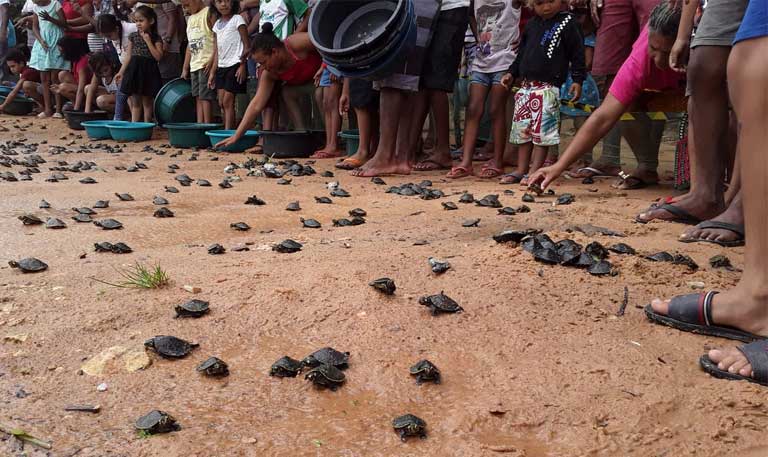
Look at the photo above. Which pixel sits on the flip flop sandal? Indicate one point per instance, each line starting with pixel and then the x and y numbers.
pixel 491 172
pixel 424 166
pixel 681 216
pixel 735 228
pixel 510 178
pixel 757 355
pixel 349 164
pixel 693 313
pixel 458 172
pixel 593 173
pixel 629 182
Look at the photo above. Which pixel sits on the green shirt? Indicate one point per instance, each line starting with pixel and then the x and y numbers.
pixel 283 14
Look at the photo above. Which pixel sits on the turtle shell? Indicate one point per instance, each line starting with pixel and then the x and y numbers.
pixel 528 198
pixel 293 206
pixel 409 425
pixel 622 248
pixel 339 192
pixel 88 180
pixel 103 247
pixel 214 367
pixel 546 255
pixel 342 222
pixel 545 241
pixel 327 356
pixel 108 224
pixel 171 190
pixel 466 197
pixel 680 259
pixel 121 248
pixel 157 422
pixel 357 220
pixel 30 219
pixel 203 183
pixel 489 201
pixel 507 211
pixel 600 268
pixel 192 308
pixel 512 236
pixel 358 212
pixel 323 200
pixel 596 250
pixel 287 247
pixel 101 204
pixel 432 194
pixel 283 181
pixel 449 206
pixel 424 371
pixel 254 200
pixel 721 261
pixel 124 197
pixel 437 266
pixel 470 223
pixel 327 174
pixel 82 218
pixel 310 223
pixel 565 199
pixel 425 183
pixel 661 257
pixel 535 188
pixel 55 223
pixel 384 285
pixel 585 261
pixel 440 303
pixel 84 210
pixel 240 226
pixel 378 181
pixel 159 201
pixel 523 209
pixel 285 367
pixel 29 265
pixel 45 205
pixel 170 347
pixel 326 376
pixel 225 184
pixel 216 249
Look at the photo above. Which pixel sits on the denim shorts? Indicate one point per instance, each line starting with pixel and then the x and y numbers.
pixel 487 79
pixel 325 78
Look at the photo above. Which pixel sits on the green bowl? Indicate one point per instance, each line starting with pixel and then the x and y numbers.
pixel 352 138
pixel 20 106
pixel 189 134
pixel 174 103
pixel 131 131
pixel 248 140
pixel 99 130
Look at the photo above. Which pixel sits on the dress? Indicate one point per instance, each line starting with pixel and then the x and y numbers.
pixel 142 77
pixel 51 59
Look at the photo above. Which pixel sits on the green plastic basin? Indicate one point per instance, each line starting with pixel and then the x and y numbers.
pixel 352 139
pixel 131 131
pixel 189 134
pixel 248 140
pixel 99 130
pixel 20 106
pixel 174 103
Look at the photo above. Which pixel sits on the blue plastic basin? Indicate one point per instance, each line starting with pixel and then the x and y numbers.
pixel 189 134
pixel 248 140
pixel 131 131
pixel 99 130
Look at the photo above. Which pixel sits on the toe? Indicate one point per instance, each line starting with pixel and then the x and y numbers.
pixel 746 370
pixel 738 365
pixel 660 306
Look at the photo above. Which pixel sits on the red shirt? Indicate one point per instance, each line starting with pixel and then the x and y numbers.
pixel 303 70
pixel 70 13
pixel 30 74
pixel 79 65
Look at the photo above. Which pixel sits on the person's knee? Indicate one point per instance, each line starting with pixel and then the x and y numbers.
pixel 706 71
pixel 476 108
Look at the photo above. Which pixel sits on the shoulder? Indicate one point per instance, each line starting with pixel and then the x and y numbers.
pixel 238 20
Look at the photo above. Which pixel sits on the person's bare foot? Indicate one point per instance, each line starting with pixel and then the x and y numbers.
pixel 731 360
pixel 733 215
pixel 378 167
pixel 328 153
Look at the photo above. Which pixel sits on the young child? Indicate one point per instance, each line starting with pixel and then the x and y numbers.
pixel 29 78
pixel 102 90
pixel 199 57
pixel 360 96
pixel 139 77
pixel 551 43
pixel 496 28
pixel 230 38
pixel 118 32
pixel 329 86
pixel 46 56
pixel 72 82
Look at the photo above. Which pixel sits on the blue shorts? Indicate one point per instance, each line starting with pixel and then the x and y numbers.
pixel 487 79
pixel 755 23
pixel 325 79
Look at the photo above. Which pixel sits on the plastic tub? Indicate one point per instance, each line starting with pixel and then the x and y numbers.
pixel 75 118
pixel 5 90
pixel 285 145
pixel 131 131
pixel 174 103
pixel 248 140
pixel 352 139
pixel 189 134
pixel 20 106
pixel 99 130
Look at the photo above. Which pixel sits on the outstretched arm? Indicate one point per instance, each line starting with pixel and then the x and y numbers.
pixel 254 109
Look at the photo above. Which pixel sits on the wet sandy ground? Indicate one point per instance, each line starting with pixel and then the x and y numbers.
pixel 537 365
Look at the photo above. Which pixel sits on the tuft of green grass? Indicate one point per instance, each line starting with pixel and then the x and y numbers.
pixel 144 434
pixel 141 277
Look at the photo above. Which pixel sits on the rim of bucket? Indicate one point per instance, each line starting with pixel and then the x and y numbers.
pixel 192 126
pixel 132 125
pixel 164 90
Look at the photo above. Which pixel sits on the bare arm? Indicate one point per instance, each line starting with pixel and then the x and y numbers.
pixel 90 94
pixel 172 24
pixel 473 19
pixel 304 24
pixel 254 109
pixel 246 42
pixel 185 68
pixel 12 96
pixel 678 57
pixel 156 49
pixel 36 32
pixel 81 83
pixel 214 63
pixel 127 53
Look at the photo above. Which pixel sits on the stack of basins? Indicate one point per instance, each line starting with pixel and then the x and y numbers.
pixel 363 39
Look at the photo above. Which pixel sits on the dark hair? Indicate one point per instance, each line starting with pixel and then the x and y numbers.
pixel 17 55
pixel 266 40
pixel 72 49
pixel 217 14
pixel 107 23
pixel 151 16
pixel 99 60
pixel 665 19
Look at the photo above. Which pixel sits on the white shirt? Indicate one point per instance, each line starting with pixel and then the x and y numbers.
pixel 228 41
pixel 498 30
pixel 453 4
pixel 122 48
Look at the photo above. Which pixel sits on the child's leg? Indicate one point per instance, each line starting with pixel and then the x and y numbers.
pixel 31 90
pixel 147 103
pixel 475 108
pixel 106 102
pixel 45 77
pixel 228 109
pixel 121 99
pixel 331 95
pixel 55 81
pixel 136 108
pixel 498 113
pixel 523 158
pixel 365 127
pixel 199 109
pixel 207 111
pixel 539 156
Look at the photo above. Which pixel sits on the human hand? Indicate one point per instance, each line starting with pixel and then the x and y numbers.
pixel 44 45
pixel 2 108
pixel 211 82
pixel 118 77
pixel 343 104
pixel 208 65
pixel 334 78
pixel 46 17
pixel 678 57
pixel 228 142
pixel 575 92
pixel 241 73
pixel 595 6
pixel 184 74
pixel 545 175
pixel 146 36
pixel 507 81
pixel 318 75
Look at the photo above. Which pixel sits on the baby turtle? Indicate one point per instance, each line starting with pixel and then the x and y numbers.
pixel 88 180
pixel 124 197
pixel 117 248
pixel 323 200
pixel 384 285
pixel 101 204
pixel 82 218
pixel 84 210
pixel 507 211
pixel 108 224
pixel 285 367
pixel 588 180
pixel 171 190
pixel 240 226
pixel 523 209
pixel 536 188
pixel 425 371
pixel 440 303
pixel 225 184
pixel 622 248
pixel 546 255
pixel 214 367
pixel 410 425
pixel 511 236
pixel 157 422
pixel 163 213
pixel 203 183
pixel 341 222
pixel 661 257
pixel 378 181
pixel 326 376
pixel 449 206
pixel 327 356
pixel 216 249
pixel 358 212
pixel 339 192
pixel 29 265
pixel 471 223
pixel 283 181
pixel 528 198
pixel 254 200
pixel 680 259
pixel 192 308
pixel 159 201
pixel 565 199
pixel 30 219
pixel 466 197
pixel 600 268
pixel 327 174
pixel 721 261
pixel 287 247
pixel 44 204
pixel 584 261
pixel 489 201
pixel 55 223
pixel 293 206
pixel 310 223
pixel 170 347
pixel 438 267
pixel 596 250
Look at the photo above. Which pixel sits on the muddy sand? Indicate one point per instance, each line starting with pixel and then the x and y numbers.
pixel 538 364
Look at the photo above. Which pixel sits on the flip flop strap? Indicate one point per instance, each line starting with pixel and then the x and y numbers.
pixel 757 355
pixel 735 228
pixel 693 308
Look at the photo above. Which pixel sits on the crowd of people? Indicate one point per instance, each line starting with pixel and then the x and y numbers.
pixel 512 64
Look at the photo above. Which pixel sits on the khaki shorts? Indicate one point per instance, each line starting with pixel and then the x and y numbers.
pixel 199 82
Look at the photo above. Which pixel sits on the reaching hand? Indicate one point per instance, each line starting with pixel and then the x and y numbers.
pixel 575 92
pixel 545 176
pixel 678 57
pixel 343 104
pixel 507 81
pixel 228 142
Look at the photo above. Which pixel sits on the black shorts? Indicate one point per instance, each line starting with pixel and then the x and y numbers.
pixel 362 95
pixel 441 65
pixel 225 79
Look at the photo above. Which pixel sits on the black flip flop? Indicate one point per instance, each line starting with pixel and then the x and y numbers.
pixel 693 313
pixel 757 355
pixel 735 228
pixel 681 216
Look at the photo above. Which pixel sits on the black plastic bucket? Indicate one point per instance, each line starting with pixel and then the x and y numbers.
pixel 285 145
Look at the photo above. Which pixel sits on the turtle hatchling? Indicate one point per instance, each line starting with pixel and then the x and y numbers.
pixel 124 197
pixel 410 425
pixel 44 205
pixel 341 222
pixel 310 223
pixel 565 199
pixel 88 180
pixel 507 211
pixel 470 223
pixel 528 198
pixel 157 422
pixel 622 248
pixel 327 356
pixel 601 268
pixel 378 181
pixel 216 249
pixel 438 267
pixel 163 213
pixel 489 201
pixel 159 201
pixel 203 183
pixel 326 376
pixel 285 367
pixel 358 212
pixel 225 184
pixel 254 200
pixel 323 200
pixel 192 308
pixel 55 223
pixel 108 224
pixel 214 367
pixel 466 197
pixel 661 257
pixel 82 218
pixel 339 192
pixel 287 247
pixel 240 226
pixel 293 206
pixel 84 210
pixel 425 371
pixel 170 347
pixel 30 219
pixel 449 206
pixel 384 285
pixel 29 265
pixel 171 190
pixel 440 303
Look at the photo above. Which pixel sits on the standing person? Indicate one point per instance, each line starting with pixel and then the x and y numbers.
pixel 118 32
pixel 330 88
pixel 139 77
pixel 230 39
pixel 360 96
pixel 72 82
pixel 551 43
pixel 4 17
pixel 95 40
pixel 199 57
pixel 168 25
pixel 495 24
pixel 46 56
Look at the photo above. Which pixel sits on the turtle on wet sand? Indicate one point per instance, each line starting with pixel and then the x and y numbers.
pixel 287 247
pixel 29 265
pixel 192 308
pixel 327 356
pixel 170 347
pixel 440 303
pixel 214 367
pixel 410 425
pixel 216 249
pixel 384 285
pixel 310 223
pixel 425 371
pixel 285 367
pixel 55 223
pixel 108 224
pixel 293 206
pixel 240 226
pixel 157 422
pixel 30 219
pixel 449 206
pixel 101 204
pixel 326 376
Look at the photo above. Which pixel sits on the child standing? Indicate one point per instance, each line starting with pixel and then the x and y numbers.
pixel 199 57
pixel 230 38
pixel 495 25
pixel 139 76
pixel 46 56
pixel 551 43
pixel 29 78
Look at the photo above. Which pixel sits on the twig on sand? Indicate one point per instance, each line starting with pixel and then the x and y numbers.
pixel 24 436
pixel 624 302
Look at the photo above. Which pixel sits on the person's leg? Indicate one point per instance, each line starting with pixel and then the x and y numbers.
pixel 609 163
pixel 442 129
pixel 147 105
pixel 421 105
pixel 477 94
pixel 136 108
pixel 228 109
pixel 291 96
pixel 523 159
pixel 45 77
pixel 31 90
pixel 644 138
pixel 331 96
pixel 57 97
pixel 498 101
pixel 106 102
pixel 385 160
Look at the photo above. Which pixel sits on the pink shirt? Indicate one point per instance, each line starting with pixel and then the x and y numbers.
pixel 639 73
